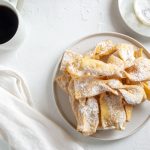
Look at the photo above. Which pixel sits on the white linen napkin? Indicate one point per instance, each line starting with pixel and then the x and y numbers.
pixel 23 127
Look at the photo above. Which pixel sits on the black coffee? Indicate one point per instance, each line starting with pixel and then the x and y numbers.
pixel 8 24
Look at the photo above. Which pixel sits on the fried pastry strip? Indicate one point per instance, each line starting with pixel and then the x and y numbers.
pixel 104 48
pixel 69 57
pixel 133 94
pixel 138 53
pixel 126 52
pixel 140 71
pixel 91 67
pixel 115 60
pixel 146 86
pixel 86 112
pixel 63 81
pixel 88 87
pixel 128 109
pixel 112 111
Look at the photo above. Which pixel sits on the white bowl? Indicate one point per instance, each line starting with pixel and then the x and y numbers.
pixel 126 9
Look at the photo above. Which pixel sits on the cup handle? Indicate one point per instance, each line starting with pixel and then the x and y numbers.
pixel 17 3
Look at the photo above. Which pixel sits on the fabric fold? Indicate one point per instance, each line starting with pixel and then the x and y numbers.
pixel 23 127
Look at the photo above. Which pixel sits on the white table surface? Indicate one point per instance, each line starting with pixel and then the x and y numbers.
pixel 51 26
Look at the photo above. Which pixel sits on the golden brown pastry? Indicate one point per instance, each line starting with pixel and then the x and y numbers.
pixel 138 53
pixel 114 83
pixel 128 110
pixel 140 71
pixel 126 51
pixel 91 67
pixel 133 94
pixel 63 81
pixel 104 48
pixel 104 85
pixel 112 111
pixel 69 57
pixel 86 112
pixel 147 89
pixel 115 60
pixel 88 87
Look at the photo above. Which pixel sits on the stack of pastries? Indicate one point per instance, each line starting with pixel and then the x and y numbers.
pixel 105 84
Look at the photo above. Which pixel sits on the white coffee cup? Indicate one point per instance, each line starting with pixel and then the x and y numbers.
pixel 15 41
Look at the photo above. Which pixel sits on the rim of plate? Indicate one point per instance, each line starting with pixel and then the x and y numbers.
pixel 55 71
pixel 145 35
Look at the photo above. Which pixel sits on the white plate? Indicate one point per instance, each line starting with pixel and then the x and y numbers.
pixel 4 145
pixel 140 112
pixel 127 13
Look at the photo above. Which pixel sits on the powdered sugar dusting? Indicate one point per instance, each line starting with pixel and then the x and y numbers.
pixel 117 113
pixel 90 114
pixel 104 47
pixel 114 83
pixel 87 87
pixel 133 94
pixel 63 81
pixel 140 71
pixel 126 51
pixel 68 58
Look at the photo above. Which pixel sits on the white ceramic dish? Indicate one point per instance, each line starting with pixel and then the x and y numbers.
pixel 4 145
pixel 141 112
pixel 127 13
